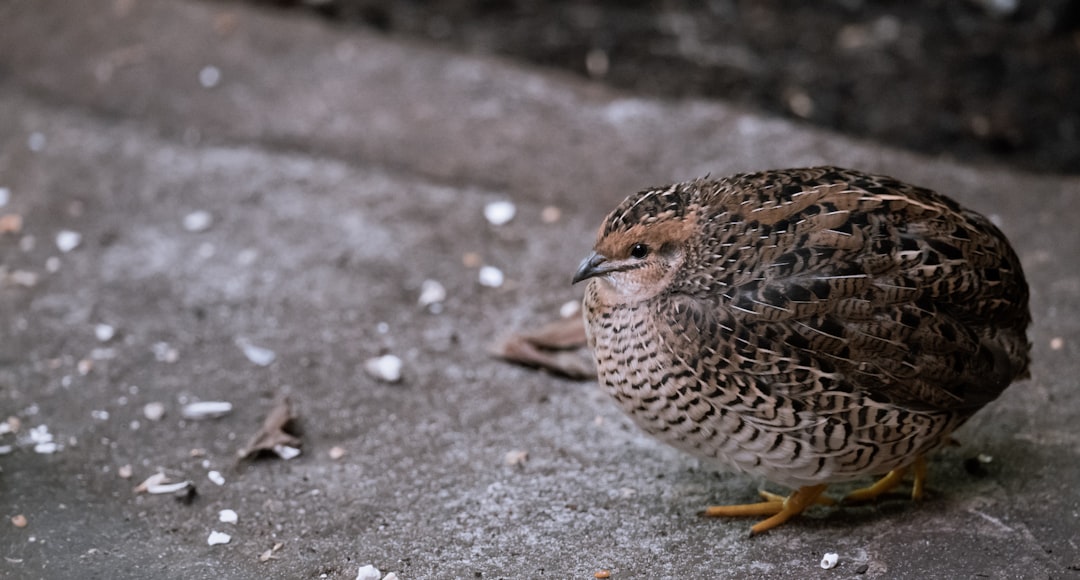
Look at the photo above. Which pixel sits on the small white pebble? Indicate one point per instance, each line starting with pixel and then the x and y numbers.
pixel 390 576
pixel 257 354
pixel 198 221
pixel 52 264
pixel 516 457
pixel 227 516
pixel 217 478
pixel 165 353
pixel 100 415
pixel 5 449
pixel 5 196
pixel 491 277
pixel 163 488
pixel 431 292
pixel 36 141
pixel 286 452
pixel 24 278
pixel 104 332
pixel 46 448
pixel 209 76
pixel 154 411
pixel 1057 343
pixel 206 410
pixel 385 368
pixel 68 240
pixel 829 560
pixel 368 572
pixel 570 308
pixel 499 212
pixel 336 452
pixel 218 538
pixel 40 434
pixel 124 471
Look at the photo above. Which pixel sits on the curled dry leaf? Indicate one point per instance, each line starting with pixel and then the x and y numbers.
pixel 555 347
pixel 274 431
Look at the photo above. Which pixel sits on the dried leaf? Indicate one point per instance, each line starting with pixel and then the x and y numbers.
pixel 274 431
pixel 555 347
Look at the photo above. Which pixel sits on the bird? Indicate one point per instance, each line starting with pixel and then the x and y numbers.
pixel 806 326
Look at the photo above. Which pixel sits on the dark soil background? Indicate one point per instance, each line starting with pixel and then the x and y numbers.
pixel 991 81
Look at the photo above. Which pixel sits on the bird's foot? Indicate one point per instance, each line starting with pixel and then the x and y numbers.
pixel 780 509
pixel 890 481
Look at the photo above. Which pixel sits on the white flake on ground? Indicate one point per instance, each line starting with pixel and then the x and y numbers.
pixel 104 332
pixel 256 354
pixel 165 353
pixel 227 516
pixel 42 440
pixel 154 411
pixel 206 410
pixel 5 196
pixel 491 277
pixel 198 221
pixel 829 560
pixel 499 212
pixel 209 76
pixel 68 240
pixel 386 368
pixel 216 477
pixel 431 292
pixel 217 538
pixel 368 572
pixel 286 452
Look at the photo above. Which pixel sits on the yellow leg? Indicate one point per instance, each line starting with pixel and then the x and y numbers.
pixel 890 481
pixel 780 509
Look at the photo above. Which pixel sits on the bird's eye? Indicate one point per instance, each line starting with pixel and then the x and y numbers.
pixel 639 251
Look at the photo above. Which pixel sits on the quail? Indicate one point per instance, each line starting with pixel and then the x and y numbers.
pixel 807 326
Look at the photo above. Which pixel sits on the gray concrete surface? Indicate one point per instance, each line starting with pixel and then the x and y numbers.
pixel 343 169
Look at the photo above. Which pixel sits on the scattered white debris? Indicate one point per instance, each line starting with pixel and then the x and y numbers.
pixel 209 76
pixel 43 440
pixel 385 368
pixel 36 142
pixel 256 354
pixel 84 366
pixel 368 572
pixel 336 452
pixel 68 240
pixel 5 196
pixel 491 276
pixel 158 484
pixel 163 352
pixel 104 332
pixel 218 538
pixel 19 521
pixel 198 221
pixel 206 410
pixel 431 293
pixel 227 517
pixel 286 452
pixel 52 264
pixel 516 457
pixel 570 308
pixel 217 478
pixel 390 576
pixel 24 278
pixel 154 411
pixel 550 214
pixel 499 212
pixel 985 459
pixel 124 471
pixel 101 415
pixel 5 449
pixel 269 554
pixel 1057 343
pixel 829 560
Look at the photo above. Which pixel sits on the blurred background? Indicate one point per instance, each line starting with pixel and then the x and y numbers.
pixel 994 81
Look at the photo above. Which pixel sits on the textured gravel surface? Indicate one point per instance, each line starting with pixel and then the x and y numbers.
pixel 338 171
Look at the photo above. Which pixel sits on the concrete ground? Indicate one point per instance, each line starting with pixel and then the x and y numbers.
pixel 341 170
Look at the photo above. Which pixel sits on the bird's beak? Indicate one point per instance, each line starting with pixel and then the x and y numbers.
pixel 594 265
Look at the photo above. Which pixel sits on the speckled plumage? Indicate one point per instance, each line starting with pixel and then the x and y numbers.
pixel 808 326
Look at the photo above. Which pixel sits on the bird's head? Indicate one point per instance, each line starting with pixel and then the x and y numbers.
pixel 641 245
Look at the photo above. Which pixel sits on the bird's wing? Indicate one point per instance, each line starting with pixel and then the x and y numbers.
pixel 894 290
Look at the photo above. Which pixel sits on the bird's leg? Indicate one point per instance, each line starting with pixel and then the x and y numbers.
pixel 891 480
pixel 780 509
